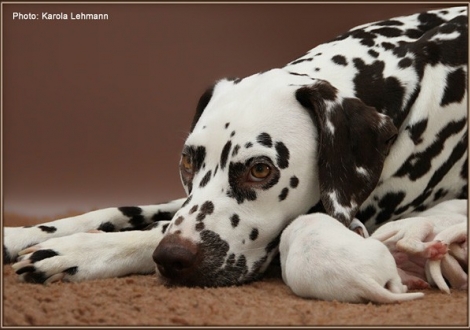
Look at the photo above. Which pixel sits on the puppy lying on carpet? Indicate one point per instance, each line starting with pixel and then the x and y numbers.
pixel 317 249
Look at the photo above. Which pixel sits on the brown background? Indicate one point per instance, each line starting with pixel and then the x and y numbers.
pixel 95 112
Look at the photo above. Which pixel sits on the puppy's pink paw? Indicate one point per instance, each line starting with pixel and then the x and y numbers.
pixel 435 250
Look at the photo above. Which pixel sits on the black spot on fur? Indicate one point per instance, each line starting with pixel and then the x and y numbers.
pixel 366 38
pixel 6 256
pixel 283 194
pixel 234 220
pixel 388 32
pixel 340 60
pixel 26 269
pixel 205 180
pixel 294 182
pixel 429 21
pixel 107 227
pixel 227 125
pixel 187 201
pixel 179 220
pixel 130 211
pixel 48 229
pixel 206 209
pixel 137 220
pixel 35 277
pixel 42 254
pixel 248 145
pixel 455 87
pixel 232 134
pixel 373 53
pixel 440 194
pixel 416 131
pixel 71 270
pixel 265 140
pixel 224 155
pixel 254 234
pixel 388 204
pixel 165 226
pixel 160 215
pixel 282 155
pixel 405 63
pixel 235 150
pixel 389 22
pixel 199 226
pixel 380 92
pixel 298 74
pixel 366 214
pixel 199 155
pixel 419 163
pixel 387 45
pixel 413 33
pixel 301 60
pixel 193 209
pixel 152 226
pixel 216 168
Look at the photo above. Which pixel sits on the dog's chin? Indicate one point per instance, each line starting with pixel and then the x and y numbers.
pixel 206 280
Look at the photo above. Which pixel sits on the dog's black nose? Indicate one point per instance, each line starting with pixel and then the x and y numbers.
pixel 175 257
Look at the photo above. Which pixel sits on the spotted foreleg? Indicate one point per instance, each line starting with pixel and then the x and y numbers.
pixel 16 239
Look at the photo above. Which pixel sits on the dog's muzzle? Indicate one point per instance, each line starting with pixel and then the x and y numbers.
pixel 176 257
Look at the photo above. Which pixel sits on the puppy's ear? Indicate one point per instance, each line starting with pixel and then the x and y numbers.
pixel 353 141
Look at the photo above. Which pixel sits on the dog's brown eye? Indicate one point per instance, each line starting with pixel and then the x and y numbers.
pixel 259 172
pixel 187 164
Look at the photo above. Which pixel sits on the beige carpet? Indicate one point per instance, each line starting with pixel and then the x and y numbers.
pixel 143 300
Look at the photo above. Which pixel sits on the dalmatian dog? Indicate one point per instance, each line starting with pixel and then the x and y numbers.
pixel 431 246
pixel 371 125
pixel 323 259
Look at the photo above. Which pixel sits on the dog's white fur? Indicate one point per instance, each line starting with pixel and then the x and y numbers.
pixel 321 258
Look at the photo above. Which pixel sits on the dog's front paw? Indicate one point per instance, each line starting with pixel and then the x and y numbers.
pixel 16 239
pixel 86 256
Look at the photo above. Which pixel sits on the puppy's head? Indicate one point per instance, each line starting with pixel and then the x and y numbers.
pixel 262 151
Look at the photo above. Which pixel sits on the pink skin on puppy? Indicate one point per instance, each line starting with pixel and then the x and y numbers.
pixel 430 247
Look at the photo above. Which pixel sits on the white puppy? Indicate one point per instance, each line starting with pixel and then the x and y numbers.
pixel 321 258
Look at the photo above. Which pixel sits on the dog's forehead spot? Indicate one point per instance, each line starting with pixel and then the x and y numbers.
pixel 235 150
pixel 224 154
pixel 254 234
pixel 234 220
pixel 265 140
pixel 283 155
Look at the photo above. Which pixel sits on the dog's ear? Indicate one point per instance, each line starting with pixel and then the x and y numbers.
pixel 201 105
pixel 206 97
pixel 353 141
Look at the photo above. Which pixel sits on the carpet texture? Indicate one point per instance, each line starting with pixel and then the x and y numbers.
pixel 140 300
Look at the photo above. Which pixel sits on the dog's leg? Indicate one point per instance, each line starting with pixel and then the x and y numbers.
pixel 86 256
pixel 16 239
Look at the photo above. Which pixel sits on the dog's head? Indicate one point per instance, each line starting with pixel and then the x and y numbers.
pixel 262 151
